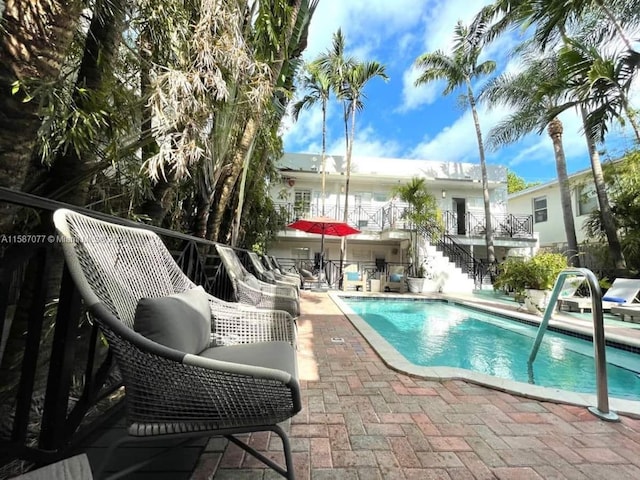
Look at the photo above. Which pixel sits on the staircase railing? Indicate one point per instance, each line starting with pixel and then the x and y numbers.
pixel 461 257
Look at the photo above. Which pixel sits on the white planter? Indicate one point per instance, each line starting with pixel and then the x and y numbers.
pixel 536 301
pixel 415 284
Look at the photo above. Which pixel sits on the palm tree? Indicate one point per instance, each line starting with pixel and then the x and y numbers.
pixel 34 42
pixel 317 83
pixel 356 78
pixel 336 64
pixel 459 70
pixel 550 20
pixel 532 94
pixel 602 82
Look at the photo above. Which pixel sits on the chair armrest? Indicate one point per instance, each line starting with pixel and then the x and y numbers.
pixel 265 299
pixel 232 327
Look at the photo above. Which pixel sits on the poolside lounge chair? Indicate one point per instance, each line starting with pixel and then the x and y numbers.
pixel 394 280
pixel 271 277
pixel 249 290
pixel 627 313
pixel 352 278
pixel 309 278
pixel 622 291
pixel 162 329
pixel 270 264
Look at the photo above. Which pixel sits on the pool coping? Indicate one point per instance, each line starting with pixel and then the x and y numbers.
pixel 394 360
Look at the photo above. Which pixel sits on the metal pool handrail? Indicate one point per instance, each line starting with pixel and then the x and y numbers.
pixel 602 410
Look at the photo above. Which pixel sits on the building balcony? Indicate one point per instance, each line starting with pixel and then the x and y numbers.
pixel 390 216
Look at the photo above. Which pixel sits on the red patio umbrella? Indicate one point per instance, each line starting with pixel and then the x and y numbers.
pixel 324 226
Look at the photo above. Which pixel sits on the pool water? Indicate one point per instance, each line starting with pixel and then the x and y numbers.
pixel 438 334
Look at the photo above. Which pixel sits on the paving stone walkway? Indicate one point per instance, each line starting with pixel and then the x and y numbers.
pixel 362 420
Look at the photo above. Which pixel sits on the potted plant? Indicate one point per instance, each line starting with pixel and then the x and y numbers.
pixel 531 279
pixel 422 212
pixel 415 282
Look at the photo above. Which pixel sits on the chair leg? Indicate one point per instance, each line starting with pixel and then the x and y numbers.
pixel 287 473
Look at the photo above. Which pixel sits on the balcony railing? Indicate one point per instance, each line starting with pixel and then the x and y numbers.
pixel 391 216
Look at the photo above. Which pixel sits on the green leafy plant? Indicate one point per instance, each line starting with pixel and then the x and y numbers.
pixel 423 211
pixel 538 272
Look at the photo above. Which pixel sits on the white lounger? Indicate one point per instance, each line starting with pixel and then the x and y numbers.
pixel 623 291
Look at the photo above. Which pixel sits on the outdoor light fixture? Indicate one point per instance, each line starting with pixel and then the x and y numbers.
pixel 444 194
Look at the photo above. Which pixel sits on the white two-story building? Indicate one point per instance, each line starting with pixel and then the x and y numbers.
pixel 372 208
pixel 544 204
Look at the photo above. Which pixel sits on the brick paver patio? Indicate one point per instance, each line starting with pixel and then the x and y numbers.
pixel 362 420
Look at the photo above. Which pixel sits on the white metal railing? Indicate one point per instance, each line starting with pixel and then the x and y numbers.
pixel 602 409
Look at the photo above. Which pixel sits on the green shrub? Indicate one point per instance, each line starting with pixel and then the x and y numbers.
pixel 538 272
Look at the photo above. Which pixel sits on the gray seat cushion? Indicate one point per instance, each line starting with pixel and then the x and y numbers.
pixel 181 321
pixel 278 355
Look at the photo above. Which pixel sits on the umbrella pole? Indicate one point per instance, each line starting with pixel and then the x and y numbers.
pixel 321 273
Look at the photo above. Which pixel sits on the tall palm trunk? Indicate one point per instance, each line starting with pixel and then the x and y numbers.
pixel 491 256
pixel 324 154
pixel 34 42
pixel 606 217
pixel 607 11
pixel 555 130
pixel 350 138
pixel 101 44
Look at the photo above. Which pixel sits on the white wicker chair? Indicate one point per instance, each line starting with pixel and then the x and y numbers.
pixel 272 265
pixel 270 276
pixel 248 384
pixel 251 291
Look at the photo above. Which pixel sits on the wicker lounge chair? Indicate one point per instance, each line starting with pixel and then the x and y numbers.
pixel 271 265
pixel 269 276
pixel 179 382
pixel 251 291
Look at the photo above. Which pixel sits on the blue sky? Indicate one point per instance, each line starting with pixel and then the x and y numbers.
pixel 403 121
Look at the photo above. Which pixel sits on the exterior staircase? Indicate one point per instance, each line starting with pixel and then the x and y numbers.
pixel 452 267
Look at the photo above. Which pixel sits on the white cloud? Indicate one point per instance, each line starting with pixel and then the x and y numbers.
pixel 364 22
pixel 368 143
pixel 414 97
pixel 439 21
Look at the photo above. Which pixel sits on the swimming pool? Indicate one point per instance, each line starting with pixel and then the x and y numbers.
pixel 437 333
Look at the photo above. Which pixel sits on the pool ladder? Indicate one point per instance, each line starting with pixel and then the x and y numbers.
pixel 602 410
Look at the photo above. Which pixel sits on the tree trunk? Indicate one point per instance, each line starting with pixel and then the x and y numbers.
pixel 350 138
pixel 324 154
pixel 555 130
pixel 158 205
pixel 606 217
pixel 33 45
pixel 226 184
pixel 101 44
pixel 491 256
pixel 607 11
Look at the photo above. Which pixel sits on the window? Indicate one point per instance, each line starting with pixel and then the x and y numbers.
pixel 302 202
pixel 587 200
pixel 380 197
pixel 540 209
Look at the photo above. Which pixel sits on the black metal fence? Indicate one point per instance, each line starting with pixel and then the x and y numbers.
pixel 391 216
pixel 57 378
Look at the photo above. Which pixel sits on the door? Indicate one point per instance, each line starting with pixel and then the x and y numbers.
pixel 460 207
